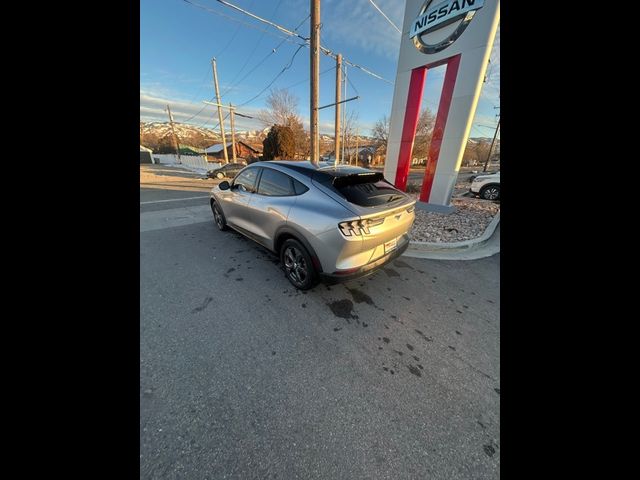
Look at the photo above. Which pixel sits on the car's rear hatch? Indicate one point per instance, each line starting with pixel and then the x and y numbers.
pixel 370 197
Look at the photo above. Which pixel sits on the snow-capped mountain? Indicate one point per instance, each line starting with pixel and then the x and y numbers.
pixel 482 140
pixel 158 134
pixel 160 129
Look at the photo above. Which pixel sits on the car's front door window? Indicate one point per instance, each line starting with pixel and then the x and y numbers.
pixel 246 181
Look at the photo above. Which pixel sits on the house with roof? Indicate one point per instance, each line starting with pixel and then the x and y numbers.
pixel 190 151
pixel 146 154
pixel 215 152
pixel 366 155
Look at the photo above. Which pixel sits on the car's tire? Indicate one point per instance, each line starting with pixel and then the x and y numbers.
pixel 218 217
pixel 220 175
pixel 490 192
pixel 298 266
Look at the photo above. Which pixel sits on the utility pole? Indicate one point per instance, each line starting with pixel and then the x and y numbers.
pixel 224 140
pixel 315 80
pixel 175 137
pixel 344 119
pixel 491 147
pixel 232 114
pixel 233 130
pixel 338 94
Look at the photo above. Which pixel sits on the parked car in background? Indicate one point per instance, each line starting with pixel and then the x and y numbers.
pixel 487 186
pixel 229 170
pixel 331 223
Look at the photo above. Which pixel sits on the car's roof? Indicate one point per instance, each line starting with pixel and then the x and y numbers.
pixel 306 168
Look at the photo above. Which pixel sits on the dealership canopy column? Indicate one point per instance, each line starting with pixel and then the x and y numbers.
pixel 458 34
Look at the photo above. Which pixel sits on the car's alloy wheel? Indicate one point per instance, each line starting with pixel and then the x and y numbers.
pixel 297 265
pixel 218 217
pixel 220 175
pixel 491 193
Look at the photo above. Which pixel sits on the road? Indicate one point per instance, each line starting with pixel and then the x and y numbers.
pixel 241 376
pixel 416 176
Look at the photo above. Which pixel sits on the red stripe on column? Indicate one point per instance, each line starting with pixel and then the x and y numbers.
pixel 438 129
pixel 411 115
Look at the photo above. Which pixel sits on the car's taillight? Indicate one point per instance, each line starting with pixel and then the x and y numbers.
pixel 350 228
pixel 359 227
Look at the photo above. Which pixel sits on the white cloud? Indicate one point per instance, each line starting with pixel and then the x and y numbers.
pixel 352 23
pixel 153 109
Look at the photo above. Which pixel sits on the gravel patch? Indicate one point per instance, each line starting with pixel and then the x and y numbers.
pixel 469 221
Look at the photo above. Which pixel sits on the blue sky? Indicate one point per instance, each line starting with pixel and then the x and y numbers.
pixel 178 40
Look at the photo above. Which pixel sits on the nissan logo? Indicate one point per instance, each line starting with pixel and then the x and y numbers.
pixel 432 18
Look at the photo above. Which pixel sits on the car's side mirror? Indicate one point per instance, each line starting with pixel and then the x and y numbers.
pixel 224 185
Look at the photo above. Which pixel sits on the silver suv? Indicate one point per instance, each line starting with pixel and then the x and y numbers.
pixel 330 223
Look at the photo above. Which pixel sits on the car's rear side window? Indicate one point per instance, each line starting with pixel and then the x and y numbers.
pixel 299 187
pixel 275 184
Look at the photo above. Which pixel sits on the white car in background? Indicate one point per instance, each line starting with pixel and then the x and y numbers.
pixel 487 186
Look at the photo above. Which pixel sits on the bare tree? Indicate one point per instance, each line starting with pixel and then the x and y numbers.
pixel 475 153
pixel 283 111
pixel 424 132
pixel 349 131
pixel 380 134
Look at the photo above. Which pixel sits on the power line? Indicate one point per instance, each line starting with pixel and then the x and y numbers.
pixel 324 50
pixel 212 117
pixel 307 79
pixel 388 19
pixel 247 74
pixel 353 86
pixel 263 91
pixel 286 67
pixel 233 19
pixel 217 124
pixel 201 86
pixel 273 51
pixel 197 94
pixel 275 25
pixel 254 48
pixel 233 37
pixel 199 111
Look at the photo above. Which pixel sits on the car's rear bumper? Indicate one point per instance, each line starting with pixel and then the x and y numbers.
pixel 367 269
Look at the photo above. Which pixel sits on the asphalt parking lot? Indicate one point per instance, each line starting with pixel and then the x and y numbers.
pixel 396 375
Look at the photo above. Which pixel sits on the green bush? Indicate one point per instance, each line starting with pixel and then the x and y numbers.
pixel 279 144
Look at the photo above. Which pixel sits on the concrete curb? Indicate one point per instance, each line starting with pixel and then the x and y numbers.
pixel 464 246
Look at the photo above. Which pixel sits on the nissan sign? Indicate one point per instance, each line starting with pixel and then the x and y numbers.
pixel 435 17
